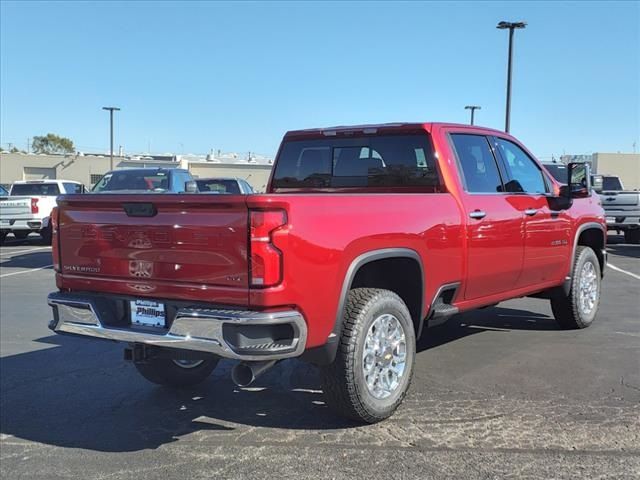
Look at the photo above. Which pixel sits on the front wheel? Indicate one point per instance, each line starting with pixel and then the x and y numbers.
pixel 373 367
pixel 579 308
pixel 176 372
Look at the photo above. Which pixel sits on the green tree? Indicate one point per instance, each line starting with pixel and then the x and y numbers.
pixel 52 143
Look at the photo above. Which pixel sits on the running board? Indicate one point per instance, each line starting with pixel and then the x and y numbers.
pixel 441 309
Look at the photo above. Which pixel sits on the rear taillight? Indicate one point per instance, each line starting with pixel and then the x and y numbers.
pixel 34 205
pixel 55 251
pixel 266 260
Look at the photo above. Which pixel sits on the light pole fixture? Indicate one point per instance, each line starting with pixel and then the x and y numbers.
pixel 473 108
pixel 111 110
pixel 511 26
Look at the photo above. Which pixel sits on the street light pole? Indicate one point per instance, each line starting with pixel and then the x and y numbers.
pixel 511 26
pixel 111 110
pixel 473 108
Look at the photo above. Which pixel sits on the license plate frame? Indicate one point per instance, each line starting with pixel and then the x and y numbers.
pixel 148 313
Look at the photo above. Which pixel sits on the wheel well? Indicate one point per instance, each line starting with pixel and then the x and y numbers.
pixel 398 274
pixel 594 238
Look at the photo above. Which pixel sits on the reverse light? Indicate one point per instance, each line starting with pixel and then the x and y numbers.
pixel 265 267
pixel 34 205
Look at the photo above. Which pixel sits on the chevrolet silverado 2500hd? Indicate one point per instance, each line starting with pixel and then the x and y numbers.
pixel 366 236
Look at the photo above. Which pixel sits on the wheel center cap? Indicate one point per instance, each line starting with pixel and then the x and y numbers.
pixel 387 356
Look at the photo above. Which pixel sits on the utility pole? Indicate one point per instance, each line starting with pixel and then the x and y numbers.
pixel 28 144
pixel 511 26
pixel 473 108
pixel 111 110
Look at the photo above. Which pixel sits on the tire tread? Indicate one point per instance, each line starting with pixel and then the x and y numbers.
pixel 340 392
pixel 565 307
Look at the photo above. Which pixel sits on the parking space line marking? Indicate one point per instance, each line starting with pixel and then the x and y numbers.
pixel 25 271
pixel 618 269
pixel 15 252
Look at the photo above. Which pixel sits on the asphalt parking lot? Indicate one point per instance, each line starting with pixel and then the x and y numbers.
pixel 497 393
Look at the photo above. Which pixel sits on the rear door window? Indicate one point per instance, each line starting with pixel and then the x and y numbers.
pixel 479 168
pixel 367 161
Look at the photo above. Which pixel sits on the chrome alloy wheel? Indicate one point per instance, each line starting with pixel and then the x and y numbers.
pixel 588 288
pixel 186 364
pixel 384 356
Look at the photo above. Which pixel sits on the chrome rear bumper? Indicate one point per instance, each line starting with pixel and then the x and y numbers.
pixel 197 329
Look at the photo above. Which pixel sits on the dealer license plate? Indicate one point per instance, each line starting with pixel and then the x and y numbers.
pixel 148 313
pixel 611 220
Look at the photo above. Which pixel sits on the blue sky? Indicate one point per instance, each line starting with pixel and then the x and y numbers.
pixel 235 76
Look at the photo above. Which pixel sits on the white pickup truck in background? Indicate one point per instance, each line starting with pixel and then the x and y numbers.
pixel 621 207
pixel 28 207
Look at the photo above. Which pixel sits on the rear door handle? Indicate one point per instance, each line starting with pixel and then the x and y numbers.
pixel 477 214
pixel 530 212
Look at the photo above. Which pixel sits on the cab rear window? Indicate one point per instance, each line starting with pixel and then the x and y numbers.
pixel 133 180
pixel 36 189
pixel 366 161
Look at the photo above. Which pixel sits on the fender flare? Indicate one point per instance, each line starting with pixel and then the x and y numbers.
pixel 566 286
pixel 326 353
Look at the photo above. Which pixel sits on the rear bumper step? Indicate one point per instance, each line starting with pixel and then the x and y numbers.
pixel 236 334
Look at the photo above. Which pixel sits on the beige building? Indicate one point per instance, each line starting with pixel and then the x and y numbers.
pixel 624 165
pixel 88 169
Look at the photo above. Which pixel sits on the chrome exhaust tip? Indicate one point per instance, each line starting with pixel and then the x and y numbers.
pixel 244 374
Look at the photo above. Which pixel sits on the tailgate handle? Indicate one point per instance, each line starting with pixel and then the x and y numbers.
pixel 140 209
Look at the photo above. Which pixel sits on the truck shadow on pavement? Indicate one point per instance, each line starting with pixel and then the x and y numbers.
pixel 27 260
pixel 79 394
pixel 478 321
pixel 617 246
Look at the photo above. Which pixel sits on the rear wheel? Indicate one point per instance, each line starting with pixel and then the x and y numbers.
pixel 632 236
pixel 579 308
pixel 176 372
pixel 21 235
pixel 373 367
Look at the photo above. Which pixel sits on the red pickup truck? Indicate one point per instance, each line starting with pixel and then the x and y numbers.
pixel 366 235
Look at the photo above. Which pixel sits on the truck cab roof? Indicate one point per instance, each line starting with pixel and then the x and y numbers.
pixel 395 127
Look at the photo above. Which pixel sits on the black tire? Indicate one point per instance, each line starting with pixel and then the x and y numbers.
pixel 343 381
pixel 567 309
pixel 3 235
pixel 46 235
pixel 632 236
pixel 165 371
pixel 21 234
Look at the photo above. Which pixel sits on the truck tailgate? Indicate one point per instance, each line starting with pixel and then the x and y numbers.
pixel 619 199
pixel 148 244
pixel 15 208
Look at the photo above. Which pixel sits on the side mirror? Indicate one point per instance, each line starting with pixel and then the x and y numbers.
pixel 579 180
pixel 597 182
pixel 191 187
pixel 578 186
